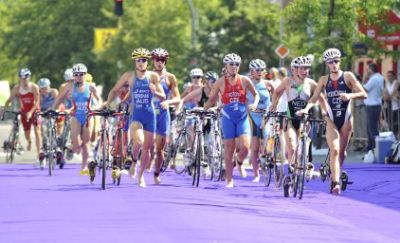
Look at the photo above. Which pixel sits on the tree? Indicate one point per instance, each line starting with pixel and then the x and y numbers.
pixel 49 36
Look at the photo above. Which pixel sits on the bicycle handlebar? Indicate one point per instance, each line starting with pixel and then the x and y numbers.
pixel 52 113
pixel 106 113
pixel 16 113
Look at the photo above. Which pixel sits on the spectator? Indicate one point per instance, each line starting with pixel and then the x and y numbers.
pixel 359 135
pixel 374 88
pixel 391 97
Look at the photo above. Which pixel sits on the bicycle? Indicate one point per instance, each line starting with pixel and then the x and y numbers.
pixel 325 172
pixel 119 149
pixel 12 145
pixel 215 148
pixel 102 161
pixel 297 177
pixel 272 159
pixel 170 150
pixel 50 141
pixel 180 148
pixel 62 140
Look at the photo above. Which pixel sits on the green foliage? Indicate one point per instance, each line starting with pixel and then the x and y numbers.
pixel 48 35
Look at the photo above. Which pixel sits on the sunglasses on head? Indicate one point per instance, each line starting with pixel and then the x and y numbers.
pixel 159 60
pixel 78 74
pixel 196 77
pixel 333 61
pixel 234 64
pixel 141 60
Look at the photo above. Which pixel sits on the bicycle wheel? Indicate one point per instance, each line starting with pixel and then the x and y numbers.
pixel 10 148
pixel 104 153
pixel 219 168
pixel 199 158
pixel 122 155
pixel 301 172
pixel 181 152
pixel 268 171
pixel 193 165
pixel 278 163
pixel 49 156
pixel 170 153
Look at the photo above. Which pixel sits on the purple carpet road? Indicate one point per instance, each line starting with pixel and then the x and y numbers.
pixel 66 208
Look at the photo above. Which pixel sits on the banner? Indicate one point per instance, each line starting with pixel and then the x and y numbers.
pixel 102 38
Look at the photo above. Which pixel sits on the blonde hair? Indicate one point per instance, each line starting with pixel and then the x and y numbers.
pixel 282 72
pixel 274 72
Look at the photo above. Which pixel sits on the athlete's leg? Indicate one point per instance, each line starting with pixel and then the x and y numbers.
pixel 85 136
pixel 345 136
pixel 38 138
pixel 160 144
pixel 291 141
pixel 137 138
pixel 145 158
pixel 75 135
pixel 229 149
pixel 333 140
pixel 255 146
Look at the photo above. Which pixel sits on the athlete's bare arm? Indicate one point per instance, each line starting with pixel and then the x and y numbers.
pixel 278 93
pixel 62 95
pixel 173 86
pixel 14 93
pixel 155 86
pixel 358 90
pixel 249 86
pixel 212 98
pixel 191 96
pixel 114 91
pixel 93 90
pixel 317 94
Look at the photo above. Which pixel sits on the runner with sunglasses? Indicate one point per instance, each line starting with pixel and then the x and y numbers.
pixel 170 87
pixel 81 94
pixel 299 89
pixel 339 88
pixel 235 124
pixel 29 98
pixel 200 96
pixel 264 89
pixel 144 85
pixel 196 76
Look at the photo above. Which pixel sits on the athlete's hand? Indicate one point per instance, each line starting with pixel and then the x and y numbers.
pixel 152 88
pixel 344 96
pixel 272 108
pixel 165 105
pixel 28 115
pixel 252 107
pixel 104 105
pixel 301 112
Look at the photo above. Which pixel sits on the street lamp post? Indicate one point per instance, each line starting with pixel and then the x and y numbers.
pixel 194 23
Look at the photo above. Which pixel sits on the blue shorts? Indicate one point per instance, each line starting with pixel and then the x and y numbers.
pixel 233 128
pixel 256 122
pixel 145 117
pixel 163 122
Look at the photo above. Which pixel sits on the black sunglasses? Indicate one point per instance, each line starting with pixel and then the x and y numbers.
pixel 159 60
pixel 196 77
pixel 333 61
pixel 234 64
pixel 141 60
pixel 78 74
